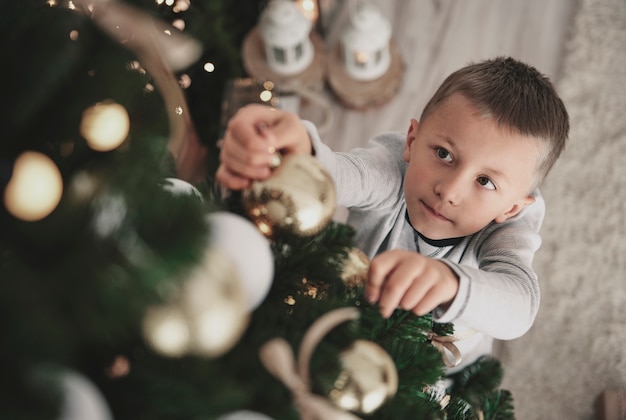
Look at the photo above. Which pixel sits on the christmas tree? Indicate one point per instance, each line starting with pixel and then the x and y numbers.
pixel 131 289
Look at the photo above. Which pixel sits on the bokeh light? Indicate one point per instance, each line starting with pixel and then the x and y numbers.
pixel 105 126
pixel 35 188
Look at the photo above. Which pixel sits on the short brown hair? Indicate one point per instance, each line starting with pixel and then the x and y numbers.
pixel 517 96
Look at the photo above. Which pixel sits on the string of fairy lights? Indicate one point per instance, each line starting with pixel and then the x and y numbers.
pixel 35 187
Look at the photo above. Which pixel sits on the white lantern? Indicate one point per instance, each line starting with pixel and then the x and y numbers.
pixel 285 32
pixel 365 44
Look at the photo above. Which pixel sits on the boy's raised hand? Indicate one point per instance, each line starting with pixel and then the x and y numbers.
pixel 408 280
pixel 253 137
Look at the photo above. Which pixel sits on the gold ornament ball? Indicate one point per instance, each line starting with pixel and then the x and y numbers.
pixel 105 125
pixel 216 307
pixel 368 378
pixel 204 317
pixel 299 197
pixel 35 187
pixel 167 331
pixel 355 268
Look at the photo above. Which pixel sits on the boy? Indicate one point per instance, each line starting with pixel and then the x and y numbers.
pixel 460 188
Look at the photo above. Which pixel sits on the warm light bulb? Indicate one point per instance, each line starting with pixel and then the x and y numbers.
pixel 309 9
pixel 35 188
pixel 362 57
pixel 105 125
pixel 265 96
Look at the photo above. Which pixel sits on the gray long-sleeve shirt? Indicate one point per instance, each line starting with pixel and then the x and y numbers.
pixel 498 294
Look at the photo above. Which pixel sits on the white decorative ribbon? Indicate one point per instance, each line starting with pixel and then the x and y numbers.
pixel 443 343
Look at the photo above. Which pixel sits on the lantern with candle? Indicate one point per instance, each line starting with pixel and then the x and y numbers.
pixel 284 52
pixel 285 32
pixel 365 43
pixel 365 69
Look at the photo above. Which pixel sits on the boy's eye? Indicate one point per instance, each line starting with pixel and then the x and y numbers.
pixel 486 182
pixel 443 154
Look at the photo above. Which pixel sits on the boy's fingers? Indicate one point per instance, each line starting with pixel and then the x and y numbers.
pixel 255 166
pixel 231 180
pixel 398 281
pixel 415 294
pixel 378 270
pixel 430 301
pixel 387 281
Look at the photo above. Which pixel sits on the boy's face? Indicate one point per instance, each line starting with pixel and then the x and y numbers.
pixel 464 171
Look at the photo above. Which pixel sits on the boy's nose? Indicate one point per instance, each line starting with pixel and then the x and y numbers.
pixel 450 189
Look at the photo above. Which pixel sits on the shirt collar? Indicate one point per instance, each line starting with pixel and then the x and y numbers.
pixel 434 242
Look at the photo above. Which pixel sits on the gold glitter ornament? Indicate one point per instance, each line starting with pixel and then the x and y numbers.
pixel 368 378
pixel 205 317
pixel 215 305
pixel 355 268
pixel 299 197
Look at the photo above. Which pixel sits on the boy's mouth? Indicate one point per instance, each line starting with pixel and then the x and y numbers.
pixel 434 212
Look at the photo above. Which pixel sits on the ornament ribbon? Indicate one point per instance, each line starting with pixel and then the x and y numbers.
pixel 443 343
pixel 279 360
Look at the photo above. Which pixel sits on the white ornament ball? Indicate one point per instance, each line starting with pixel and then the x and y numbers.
pixel 82 400
pixel 244 415
pixel 179 187
pixel 105 125
pixel 35 188
pixel 249 251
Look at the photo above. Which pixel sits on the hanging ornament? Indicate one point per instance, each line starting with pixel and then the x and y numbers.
pixel 244 415
pixel 105 125
pixel 367 380
pixel 249 251
pixel 167 330
pixel 206 317
pixel 35 187
pixel 299 197
pixel 355 268
pixel 81 398
pixel 215 305
pixel 179 187
pixel 367 369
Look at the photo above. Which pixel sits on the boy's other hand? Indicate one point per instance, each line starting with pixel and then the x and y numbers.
pixel 408 280
pixel 253 137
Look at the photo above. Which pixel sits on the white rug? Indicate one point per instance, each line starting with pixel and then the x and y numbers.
pixel 577 347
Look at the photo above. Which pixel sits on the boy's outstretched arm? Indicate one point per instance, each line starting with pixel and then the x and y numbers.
pixel 253 137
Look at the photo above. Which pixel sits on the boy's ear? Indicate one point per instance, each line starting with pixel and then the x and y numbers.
pixel 410 136
pixel 517 207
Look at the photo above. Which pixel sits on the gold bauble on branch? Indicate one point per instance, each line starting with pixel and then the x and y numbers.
pixel 355 268
pixel 205 317
pixel 299 197
pixel 216 306
pixel 368 378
